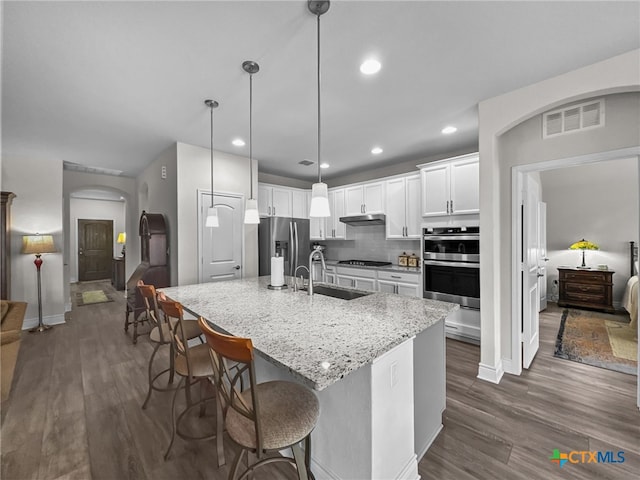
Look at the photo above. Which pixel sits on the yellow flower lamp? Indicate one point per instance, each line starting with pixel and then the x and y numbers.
pixel 584 245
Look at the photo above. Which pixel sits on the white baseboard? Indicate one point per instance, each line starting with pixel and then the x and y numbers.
pixel 423 450
pixel 49 320
pixel 490 373
pixel 410 470
pixel 508 367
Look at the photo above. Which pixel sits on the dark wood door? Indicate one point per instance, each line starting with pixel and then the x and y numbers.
pixel 95 249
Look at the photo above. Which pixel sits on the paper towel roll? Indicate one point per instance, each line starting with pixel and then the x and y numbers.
pixel 277 271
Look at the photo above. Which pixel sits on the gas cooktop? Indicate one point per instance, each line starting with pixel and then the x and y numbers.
pixel 364 263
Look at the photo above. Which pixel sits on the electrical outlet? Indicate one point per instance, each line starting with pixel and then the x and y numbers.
pixel 394 374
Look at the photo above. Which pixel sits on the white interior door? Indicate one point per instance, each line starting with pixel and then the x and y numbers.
pixel 221 247
pixel 530 272
pixel 542 255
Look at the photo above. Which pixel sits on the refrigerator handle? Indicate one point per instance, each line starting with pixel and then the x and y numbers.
pixel 291 248
pixel 297 246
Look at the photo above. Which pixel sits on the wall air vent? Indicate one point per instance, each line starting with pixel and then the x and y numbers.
pixel 573 119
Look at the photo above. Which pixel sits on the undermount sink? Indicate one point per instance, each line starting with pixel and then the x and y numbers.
pixel 339 292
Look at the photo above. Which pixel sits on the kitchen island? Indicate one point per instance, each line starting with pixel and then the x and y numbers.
pixel 376 363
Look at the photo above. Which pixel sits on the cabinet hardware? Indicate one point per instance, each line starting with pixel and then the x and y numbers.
pixel 395 289
pixel 269 210
pixel 451 206
pixel 395 276
pixel 447 207
pixel 274 211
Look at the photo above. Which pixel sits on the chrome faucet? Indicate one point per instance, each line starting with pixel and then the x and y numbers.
pixel 295 281
pixel 315 253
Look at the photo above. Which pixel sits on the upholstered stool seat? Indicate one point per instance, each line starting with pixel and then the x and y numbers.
pixel 288 413
pixel 265 418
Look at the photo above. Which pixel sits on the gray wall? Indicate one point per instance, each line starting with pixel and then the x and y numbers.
pixel 598 202
pixel 369 243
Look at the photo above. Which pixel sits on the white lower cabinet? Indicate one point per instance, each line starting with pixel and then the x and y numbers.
pixel 361 279
pixel 402 283
pixel 464 324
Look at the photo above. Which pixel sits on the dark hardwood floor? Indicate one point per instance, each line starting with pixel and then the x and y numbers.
pixel 74 412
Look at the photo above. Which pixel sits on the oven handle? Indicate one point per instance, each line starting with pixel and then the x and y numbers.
pixel 452 237
pixel 451 264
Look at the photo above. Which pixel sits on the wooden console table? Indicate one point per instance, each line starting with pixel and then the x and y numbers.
pixel 586 288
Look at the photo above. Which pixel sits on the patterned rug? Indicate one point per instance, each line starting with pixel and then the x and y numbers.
pixel 92 297
pixel 597 339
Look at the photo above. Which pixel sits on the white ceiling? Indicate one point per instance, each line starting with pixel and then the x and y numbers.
pixel 112 84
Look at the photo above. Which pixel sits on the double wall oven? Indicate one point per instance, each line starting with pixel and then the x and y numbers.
pixel 451 265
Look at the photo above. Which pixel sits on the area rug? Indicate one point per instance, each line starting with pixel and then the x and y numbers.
pixel 92 297
pixel 597 339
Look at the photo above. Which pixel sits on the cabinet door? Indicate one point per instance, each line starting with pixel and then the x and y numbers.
pixel 373 197
pixel 264 201
pixel 365 284
pixel 395 208
pixel 435 190
pixel 344 281
pixel 317 228
pixel 281 202
pixel 330 277
pixel 408 289
pixel 337 211
pixel 465 186
pixel 386 286
pixel 413 218
pixel 299 207
pixel 354 200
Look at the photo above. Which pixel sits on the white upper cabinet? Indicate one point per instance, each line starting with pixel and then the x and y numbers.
pixel 335 229
pixel 451 187
pixel 403 207
pixel 366 198
pixel 276 201
pixel 299 207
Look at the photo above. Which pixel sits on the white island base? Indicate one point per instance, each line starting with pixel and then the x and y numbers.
pixel 378 421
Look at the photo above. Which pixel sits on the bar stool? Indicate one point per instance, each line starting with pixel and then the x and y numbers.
pixel 193 365
pixel 265 418
pixel 161 335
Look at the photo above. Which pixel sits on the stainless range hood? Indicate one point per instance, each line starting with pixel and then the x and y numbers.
pixel 364 220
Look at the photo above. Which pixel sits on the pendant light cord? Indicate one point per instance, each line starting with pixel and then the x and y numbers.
pixel 319 128
pixel 251 133
pixel 211 107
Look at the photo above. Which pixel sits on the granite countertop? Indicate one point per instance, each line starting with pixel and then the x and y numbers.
pixel 393 267
pixel 320 339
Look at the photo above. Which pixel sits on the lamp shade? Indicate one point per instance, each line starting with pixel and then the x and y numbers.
pixel 584 245
pixel 319 201
pixel 37 244
pixel 251 215
pixel 122 238
pixel 212 217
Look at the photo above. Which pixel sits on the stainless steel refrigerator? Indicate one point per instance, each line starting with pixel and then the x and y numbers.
pixel 287 237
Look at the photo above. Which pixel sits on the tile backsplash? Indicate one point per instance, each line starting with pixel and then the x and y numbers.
pixel 369 243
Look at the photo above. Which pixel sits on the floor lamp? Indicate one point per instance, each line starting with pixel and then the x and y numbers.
pixel 38 244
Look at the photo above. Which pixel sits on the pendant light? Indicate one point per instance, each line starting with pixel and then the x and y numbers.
pixel 319 192
pixel 212 212
pixel 251 215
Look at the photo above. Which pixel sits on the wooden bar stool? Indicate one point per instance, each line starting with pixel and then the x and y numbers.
pixel 265 418
pixel 193 364
pixel 160 335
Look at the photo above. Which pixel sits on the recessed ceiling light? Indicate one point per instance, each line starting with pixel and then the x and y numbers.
pixel 371 66
pixel 324 165
pixel 238 142
pixel 376 150
pixel 449 129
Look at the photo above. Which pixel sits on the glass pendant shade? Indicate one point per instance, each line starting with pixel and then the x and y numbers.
pixel 319 201
pixel 212 217
pixel 251 215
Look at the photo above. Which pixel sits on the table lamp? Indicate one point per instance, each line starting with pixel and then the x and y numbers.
pixel 38 244
pixel 584 245
pixel 122 239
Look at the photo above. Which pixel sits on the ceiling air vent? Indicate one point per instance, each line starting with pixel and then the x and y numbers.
pixel 306 163
pixel 573 119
